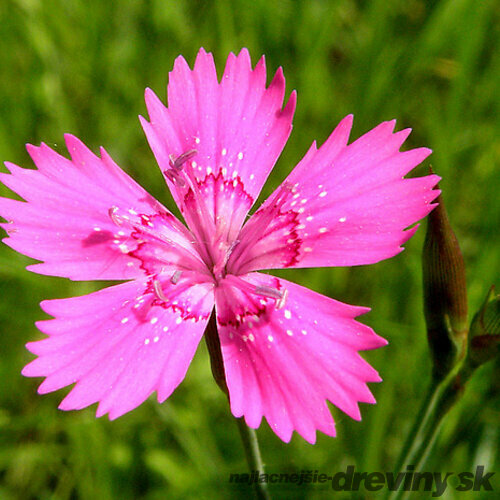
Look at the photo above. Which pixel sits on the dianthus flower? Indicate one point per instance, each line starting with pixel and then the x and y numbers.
pixel 286 350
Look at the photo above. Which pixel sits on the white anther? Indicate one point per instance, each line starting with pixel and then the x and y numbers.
pixel 159 291
pixel 175 277
pixel 280 303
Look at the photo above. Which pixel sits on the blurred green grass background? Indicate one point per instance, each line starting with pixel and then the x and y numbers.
pixel 82 66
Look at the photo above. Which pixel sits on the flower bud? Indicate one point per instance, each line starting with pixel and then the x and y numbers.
pixel 484 341
pixel 445 294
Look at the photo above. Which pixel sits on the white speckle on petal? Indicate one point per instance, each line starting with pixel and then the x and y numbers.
pixel 146 342
pixel 156 339
pixel 165 328
pixel 197 140
pixel 288 314
pixel 322 194
pixel 178 321
pixel 310 218
pixel 301 210
pixel 252 176
pixel 289 333
pixel 154 320
pixel 124 320
pixel 342 219
pixel 223 152
pixel 123 248
pixel 308 249
pixel 97 228
pixel 270 338
pixel 121 233
pixel 301 226
pixel 303 200
pixel 304 332
pixel 132 212
pixel 209 170
pixel 224 171
pixel 322 230
pixel 240 156
pixel 251 338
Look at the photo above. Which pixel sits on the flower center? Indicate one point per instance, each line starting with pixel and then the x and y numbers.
pixel 214 241
pixel 214 209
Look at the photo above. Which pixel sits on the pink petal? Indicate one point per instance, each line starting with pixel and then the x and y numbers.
pixel 341 206
pixel 285 363
pixel 66 221
pixel 237 126
pixel 120 344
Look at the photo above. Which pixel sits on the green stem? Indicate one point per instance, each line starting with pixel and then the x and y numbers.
pixel 248 435
pixel 252 452
pixel 440 397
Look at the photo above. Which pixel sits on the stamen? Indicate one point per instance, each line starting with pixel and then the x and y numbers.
pixel 231 248
pixel 117 219
pixel 280 303
pixel 221 266
pixel 175 277
pixel 265 291
pixel 229 251
pixel 174 176
pixel 158 290
pixel 177 163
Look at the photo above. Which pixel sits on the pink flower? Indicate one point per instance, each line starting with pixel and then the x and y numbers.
pixel 286 349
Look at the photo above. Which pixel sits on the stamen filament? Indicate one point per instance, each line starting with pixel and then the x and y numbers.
pixel 219 269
